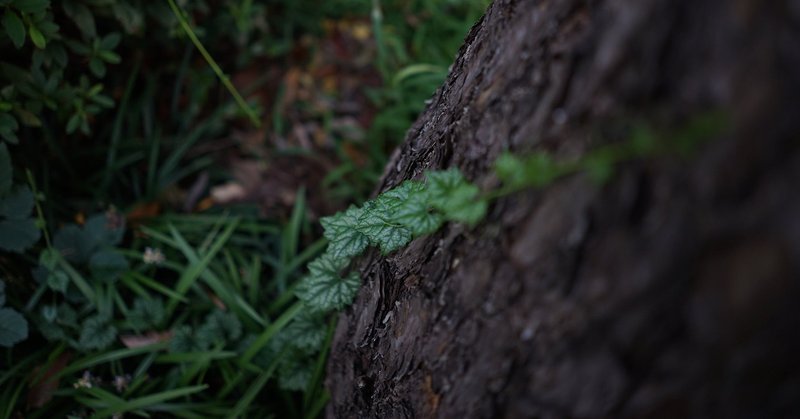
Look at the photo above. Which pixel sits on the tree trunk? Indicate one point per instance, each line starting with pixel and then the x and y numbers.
pixel 670 291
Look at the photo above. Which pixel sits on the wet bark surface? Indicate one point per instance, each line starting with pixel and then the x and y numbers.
pixel 670 291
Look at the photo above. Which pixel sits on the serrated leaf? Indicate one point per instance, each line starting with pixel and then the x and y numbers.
pixel 441 182
pixel 184 340
pixel 96 333
pixel 340 230
pixel 107 265
pixel 105 229
pixel 510 169
pixel 67 316
pixel 146 313
pixel 377 225
pixel 464 206
pixel 219 327
pixel 323 288
pixel 18 204
pixel 62 315
pixel 5 170
pixel 414 212
pixel 51 331
pixel 455 197
pixel 58 280
pixel 306 332
pixel 295 372
pixel 73 244
pixel 14 28
pixel 13 327
pixel 18 235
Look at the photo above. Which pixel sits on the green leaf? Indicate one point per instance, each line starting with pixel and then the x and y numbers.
pixel 17 205
pixel 109 57
pixel 5 170
pixel 295 372
pixel 599 167
pixel 73 123
pixel 79 244
pixel 7 121
pixel 306 332
pixel 219 327
pixel 60 315
pixel 97 333
pixel 414 212
pixel 18 235
pixel 37 37
pixel 107 265
pixel 73 244
pixel 110 41
pixel 82 16
pixel 9 136
pixel 13 327
pixel 340 230
pixel 97 67
pixel 50 313
pixel 184 340
pixel 14 28
pixel 456 198
pixel 105 229
pixel 510 169
pixel 51 331
pixel 58 280
pixel 323 289
pixel 146 313
pixel 377 224
pixel 32 6
pixel 28 118
pixel 130 17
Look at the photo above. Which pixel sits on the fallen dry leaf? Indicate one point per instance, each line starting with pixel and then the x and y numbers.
pixel 228 192
pixel 149 338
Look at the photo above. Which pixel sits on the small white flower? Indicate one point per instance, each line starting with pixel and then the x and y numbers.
pixel 121 382
pixel 153 256
pixel 85 381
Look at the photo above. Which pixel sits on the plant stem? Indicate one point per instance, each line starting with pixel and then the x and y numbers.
pixel 213 64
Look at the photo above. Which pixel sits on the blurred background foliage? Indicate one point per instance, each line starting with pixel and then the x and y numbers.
pixel 153 228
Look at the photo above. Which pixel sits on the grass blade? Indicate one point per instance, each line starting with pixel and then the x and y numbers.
pixel 145 401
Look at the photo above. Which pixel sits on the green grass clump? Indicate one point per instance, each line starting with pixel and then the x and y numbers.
pixel 112 300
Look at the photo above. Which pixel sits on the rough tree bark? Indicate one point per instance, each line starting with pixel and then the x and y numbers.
pixel 671 291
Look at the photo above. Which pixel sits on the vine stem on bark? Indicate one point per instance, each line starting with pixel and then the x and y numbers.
pixel 671 291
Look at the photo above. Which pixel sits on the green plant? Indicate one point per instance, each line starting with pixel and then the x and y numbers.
pixel 187 315
pixel 13 327
pixel 18 230
pixel 416 208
